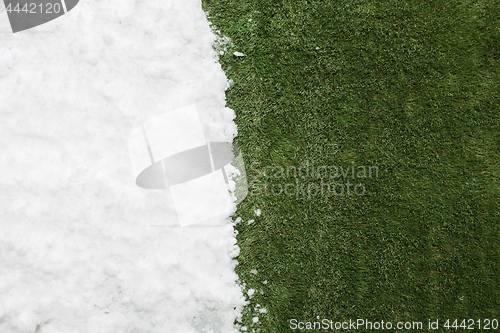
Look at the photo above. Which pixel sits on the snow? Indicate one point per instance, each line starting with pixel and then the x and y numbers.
pixel 78 249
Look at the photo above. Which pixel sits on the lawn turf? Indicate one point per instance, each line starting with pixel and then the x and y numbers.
pixel 411 87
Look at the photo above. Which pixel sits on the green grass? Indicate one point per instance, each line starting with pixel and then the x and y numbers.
pixel 411 87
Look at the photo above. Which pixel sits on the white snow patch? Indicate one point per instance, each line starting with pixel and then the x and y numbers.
pixel 78 253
